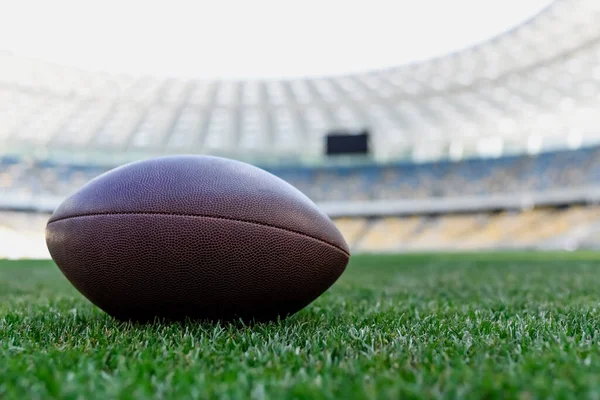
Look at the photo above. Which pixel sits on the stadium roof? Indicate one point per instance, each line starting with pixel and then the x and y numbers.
pixel 536 86
pixel 259 39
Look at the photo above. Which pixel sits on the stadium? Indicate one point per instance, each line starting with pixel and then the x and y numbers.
pixel 472 213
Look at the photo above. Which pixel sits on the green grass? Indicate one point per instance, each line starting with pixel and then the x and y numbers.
pixel 518 325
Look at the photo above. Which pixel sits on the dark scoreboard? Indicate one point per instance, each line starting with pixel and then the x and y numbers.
pixel 344 142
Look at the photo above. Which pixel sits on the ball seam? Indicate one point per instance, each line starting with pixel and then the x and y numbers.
pixel 200 216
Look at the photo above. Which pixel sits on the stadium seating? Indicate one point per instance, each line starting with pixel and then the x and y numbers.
pixel 526 229
pixel 22 233
pixel 352 228
pixel 532 88
pixel 546 171
pixel 512 115
pixel 388 234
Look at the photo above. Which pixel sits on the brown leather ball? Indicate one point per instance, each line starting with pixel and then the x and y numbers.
pixel 195 236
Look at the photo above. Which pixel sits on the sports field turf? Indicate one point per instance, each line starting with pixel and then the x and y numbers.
pixel 518 325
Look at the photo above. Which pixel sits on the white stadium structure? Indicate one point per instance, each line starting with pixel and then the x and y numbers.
pixel 533 90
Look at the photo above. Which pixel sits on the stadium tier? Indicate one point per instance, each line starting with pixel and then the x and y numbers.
pixel 566 228
pixel 572 227
pixel 515 174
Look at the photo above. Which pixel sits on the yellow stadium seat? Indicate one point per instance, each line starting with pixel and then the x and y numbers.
pixel 389 233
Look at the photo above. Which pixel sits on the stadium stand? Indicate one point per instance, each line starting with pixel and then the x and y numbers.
pixel 515 116
pixel 503 230
pixel 542 172
pixel 22 233
pixel 533 88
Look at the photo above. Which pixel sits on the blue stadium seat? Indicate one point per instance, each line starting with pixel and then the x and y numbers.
pixel 568 168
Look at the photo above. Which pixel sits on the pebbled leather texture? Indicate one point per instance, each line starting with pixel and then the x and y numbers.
pixel 195 236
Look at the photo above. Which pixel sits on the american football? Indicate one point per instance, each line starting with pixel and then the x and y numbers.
pixel 195 236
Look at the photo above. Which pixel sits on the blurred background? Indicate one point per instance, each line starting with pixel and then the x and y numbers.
pixel 429 126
